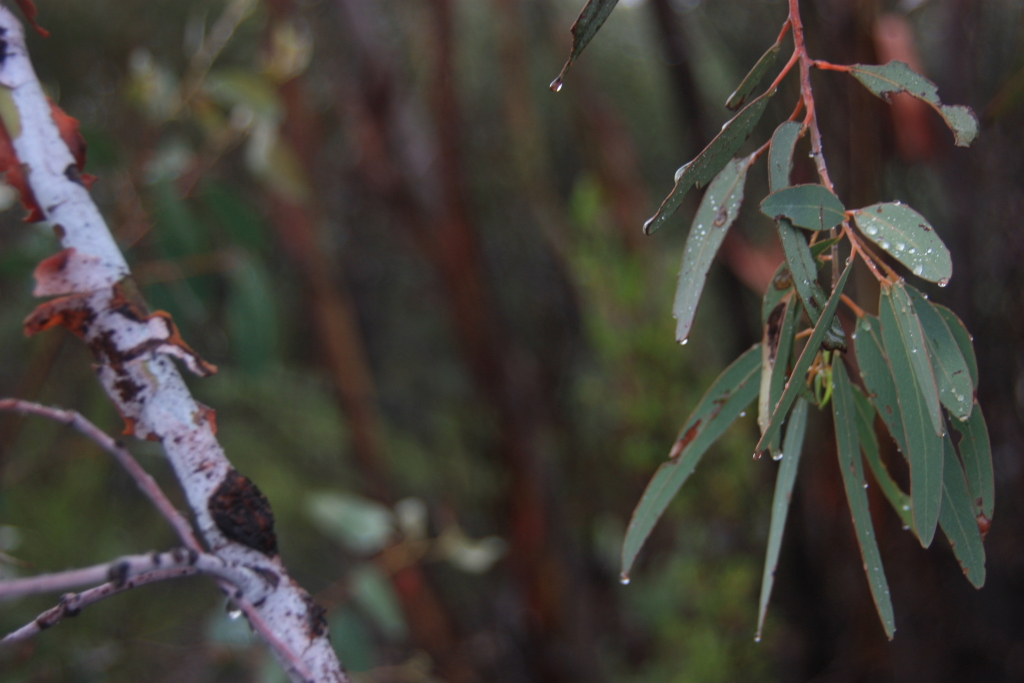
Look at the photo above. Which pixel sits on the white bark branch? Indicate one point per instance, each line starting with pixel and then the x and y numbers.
pixel 125 570
pixel 98 301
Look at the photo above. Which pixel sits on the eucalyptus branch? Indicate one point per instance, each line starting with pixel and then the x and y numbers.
pixel 97 300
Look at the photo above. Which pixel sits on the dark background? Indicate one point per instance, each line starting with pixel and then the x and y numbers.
pixel 422 276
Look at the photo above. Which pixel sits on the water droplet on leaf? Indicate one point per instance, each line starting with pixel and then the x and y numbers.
pixel 777 456
pixel 556 85
pixel 624 579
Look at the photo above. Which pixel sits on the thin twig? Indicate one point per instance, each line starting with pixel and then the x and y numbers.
pixel 143 480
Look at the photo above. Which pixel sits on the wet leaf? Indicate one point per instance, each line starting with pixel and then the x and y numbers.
pixel 804 270
pixel 923 446
pixel 731 393
pixel 844 412
pixel 877 377
pixel 586 26
pixel 917 346
pixel 709 162
pixel 807 206
pixel 754 77
pixel 976 453
pixel 791 448
pixel 906 236
pixel 716 214
pixel 896 77
pixel 963 339
pixel 780 155
pixel 958 518
pixel 899 500
pixel 797 378
pixel 956 391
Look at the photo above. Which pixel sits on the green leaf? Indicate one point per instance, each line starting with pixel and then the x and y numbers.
pixel 797 378
pixel 923 444
pixel 808 206
pixel 784 480
pixel 804 270
pixel 956 391
pixel 877 376
pixel 958 521
pixel 751 80
pixel 716 214
pixel 963 339
pixel 899 500
pixel 780 366
pixel 781 283
pixel 731 393
pixel 591 18
pixel 896 77
pixel 914 340
pixel 780 155
pixel 709 162
pixel 844 412
pixel 976 453
pixel 821 246
pixel 906 236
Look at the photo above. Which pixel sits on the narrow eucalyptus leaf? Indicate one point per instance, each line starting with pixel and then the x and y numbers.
pixel 844 411
pixel 976 453
pixel 920 359
pixel 781 283
pixel 791 448
pixel 899 500
pixel 798 377
pixel 751 80
pixel 713 159
pixel 963 340
pixel 730 394
pixel 780 155
pixel 923 447
pixel 906 236
pixel 807 206
pixel 586 26
pixel 780 369
pixel 716 214
pixel 804 270
pixel 897 77
pixel 958 520
pixel 877 377
pixel 956 390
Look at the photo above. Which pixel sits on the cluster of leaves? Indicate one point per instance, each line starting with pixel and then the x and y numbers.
pixel 915 359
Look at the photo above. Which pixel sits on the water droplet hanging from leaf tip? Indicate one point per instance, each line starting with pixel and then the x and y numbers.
pixel 624 579
pixel 556 85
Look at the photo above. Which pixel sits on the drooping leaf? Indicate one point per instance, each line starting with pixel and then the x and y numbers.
pixel 899 500
pixel 923 446
pixel 844 412
pixel 877 376
pixel 780 155
pixel 730 394
pixel 956 391
pixel 804 270
pixel 709 162
pixel 586 26
pixel 791 448
pixel 906 236
pixel 963 339
pixel 754 77
pixel 779 373
pixel 976 453
pixel 896 77
pixel 958 518
pixel 917 348
pixel 803 364
pixel 808 206
pixel 716 214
